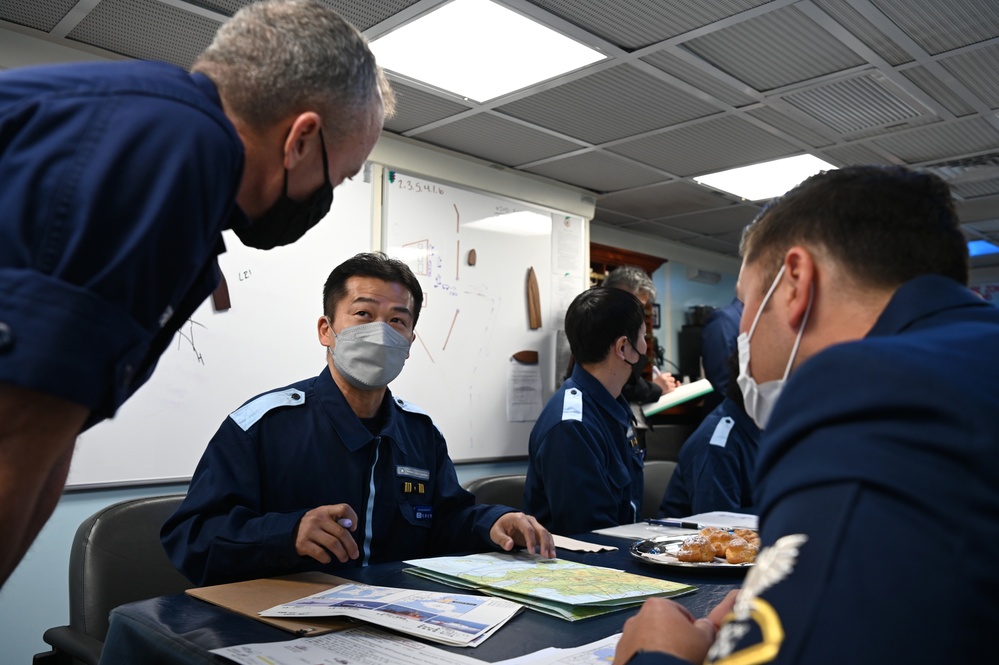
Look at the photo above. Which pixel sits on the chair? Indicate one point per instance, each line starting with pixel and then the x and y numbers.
pixel 506 490
pixel 657 474
pixel 116 558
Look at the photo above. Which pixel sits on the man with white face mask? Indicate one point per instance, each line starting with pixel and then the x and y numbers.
pixel 878 470
pixel 335 471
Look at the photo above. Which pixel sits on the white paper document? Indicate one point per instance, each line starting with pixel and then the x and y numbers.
pixel 523 392
pixel 363 645
pixel 600 652
pixel 724 519
pixel 643 531
pixel 448 618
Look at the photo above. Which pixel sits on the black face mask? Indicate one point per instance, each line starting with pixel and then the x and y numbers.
pixel 286 221
pixel 639 365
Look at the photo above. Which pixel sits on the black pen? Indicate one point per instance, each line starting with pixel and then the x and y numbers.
pixel 677 523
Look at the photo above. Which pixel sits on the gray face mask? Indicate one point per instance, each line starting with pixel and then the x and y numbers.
pixel 369 356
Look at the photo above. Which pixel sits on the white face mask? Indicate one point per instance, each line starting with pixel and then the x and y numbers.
pixel 760 399
pixel 369 356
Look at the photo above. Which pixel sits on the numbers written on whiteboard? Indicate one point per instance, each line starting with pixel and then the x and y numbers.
pixel 409 185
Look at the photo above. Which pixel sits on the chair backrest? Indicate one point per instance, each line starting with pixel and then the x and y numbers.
pixel 506 490
pixel 656 474
pixel 117 558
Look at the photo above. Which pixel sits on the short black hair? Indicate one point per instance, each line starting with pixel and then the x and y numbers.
pixel 370 264
pixel 884 224
pixel 596 318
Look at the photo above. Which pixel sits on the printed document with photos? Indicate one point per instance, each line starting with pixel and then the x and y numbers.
pixel 449 618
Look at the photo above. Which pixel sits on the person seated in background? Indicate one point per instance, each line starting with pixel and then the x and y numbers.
pixel 717 345
pixel 335 471
pixel 878 470
pixel 585 466
pixel 637 282
pixel 717 461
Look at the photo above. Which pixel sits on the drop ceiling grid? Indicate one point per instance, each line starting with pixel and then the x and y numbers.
pixel 978 70
pixel 942 141
pixel 936 89
pixel 659 230
pixel 492 138
pixel 943 25
pixel 716 244
pixel 415 108
pixel 691 75
pixel 774 50
pixel 597 171
pixel 146 30
pixel 810 135
pixel 611 104
pixel 38 15
pixel 971 190
pixel 676 197
pixel 633 24
pixel 706 146
pixel 863 30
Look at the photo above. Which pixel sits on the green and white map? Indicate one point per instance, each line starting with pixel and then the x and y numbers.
pixel 555 586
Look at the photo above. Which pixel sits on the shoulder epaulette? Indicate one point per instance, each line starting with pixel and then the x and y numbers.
pixel 248 414
pixel 572 404
pixel 409 407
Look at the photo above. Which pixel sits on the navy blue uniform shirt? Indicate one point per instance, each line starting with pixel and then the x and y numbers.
pixel 585 468
pixel 717 466
pixel 288 451
pixel 878 491
pixel 116 180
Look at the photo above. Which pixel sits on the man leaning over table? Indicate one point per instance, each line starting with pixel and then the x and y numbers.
pixel 585 466
pixel 335 470
pixel 116 182
pixel 879 468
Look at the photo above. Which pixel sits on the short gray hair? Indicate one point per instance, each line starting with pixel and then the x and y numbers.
pixel 276 58
pixel 632 279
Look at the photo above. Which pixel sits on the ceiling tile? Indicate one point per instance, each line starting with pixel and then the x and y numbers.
pixel 774 50
pixel 597 171
pixel 978 70
pixel 730 219
pixel 941 141
pixel 660 231
pixel 415 108
pixel 856 154
pixel 632 24
pixel 813 136
pixel 943 26
pixel 706 147
pixel 611 104
pixel 937 90
pixel 610 217
pixel 715 245
pixel 497 140
pixel 146 30
pixel 672 198
pixel 363 15
pixel 38 15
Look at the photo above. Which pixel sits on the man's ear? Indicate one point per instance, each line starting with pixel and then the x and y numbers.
pixel 800 273
pixel 304 127
pixel 324 331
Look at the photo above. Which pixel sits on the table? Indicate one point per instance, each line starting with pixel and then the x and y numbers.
pixel 181 630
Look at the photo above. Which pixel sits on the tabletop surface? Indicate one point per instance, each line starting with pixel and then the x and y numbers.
pixel 181 629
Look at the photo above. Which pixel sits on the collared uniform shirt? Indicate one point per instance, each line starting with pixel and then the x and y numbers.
pixel 585 467
pixel 116 181
pixel 878 490
pixel 297 448
pixel 717 465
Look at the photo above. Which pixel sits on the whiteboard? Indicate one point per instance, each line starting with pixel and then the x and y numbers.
pixel 475 317
pixel 219 360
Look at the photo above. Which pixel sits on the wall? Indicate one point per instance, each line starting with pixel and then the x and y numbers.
pixel 675 293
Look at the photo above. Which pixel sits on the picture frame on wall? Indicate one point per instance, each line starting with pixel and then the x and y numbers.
pixel 656 319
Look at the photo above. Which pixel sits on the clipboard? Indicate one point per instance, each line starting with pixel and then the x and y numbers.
pixel 679 395
pixel 248 598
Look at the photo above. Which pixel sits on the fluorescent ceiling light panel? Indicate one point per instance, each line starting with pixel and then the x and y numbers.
pixel 981 247
pixel 767 180
pixel 479 50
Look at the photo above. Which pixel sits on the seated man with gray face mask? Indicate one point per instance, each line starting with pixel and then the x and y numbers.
pixel 335 471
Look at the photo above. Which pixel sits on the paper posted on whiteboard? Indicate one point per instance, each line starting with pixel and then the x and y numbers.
pixel 523 391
